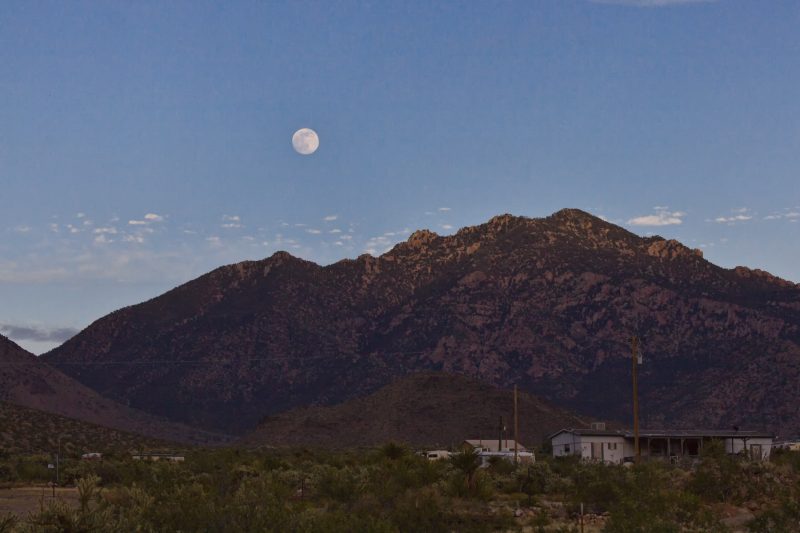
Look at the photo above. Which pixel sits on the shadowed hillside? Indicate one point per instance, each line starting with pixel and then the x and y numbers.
pixel 428 409
pixel 28 431
pixel 26 380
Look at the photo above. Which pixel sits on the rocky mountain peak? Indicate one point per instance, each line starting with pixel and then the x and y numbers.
pixel 672 249
pixel 421 238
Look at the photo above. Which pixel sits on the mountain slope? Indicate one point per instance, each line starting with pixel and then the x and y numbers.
pixel 29 431
pixel 547 303
pixel 29 382
pixel 428 409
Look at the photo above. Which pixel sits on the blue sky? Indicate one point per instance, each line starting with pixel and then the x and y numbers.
pixel 143 144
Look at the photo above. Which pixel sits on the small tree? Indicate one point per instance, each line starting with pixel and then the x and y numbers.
pixel 468 462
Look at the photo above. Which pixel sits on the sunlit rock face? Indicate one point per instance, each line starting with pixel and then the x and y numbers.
pixel 549 304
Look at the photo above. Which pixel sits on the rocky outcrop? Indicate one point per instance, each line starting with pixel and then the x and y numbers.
pixel 549 304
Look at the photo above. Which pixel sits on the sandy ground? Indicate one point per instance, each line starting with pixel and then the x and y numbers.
pixel 23 500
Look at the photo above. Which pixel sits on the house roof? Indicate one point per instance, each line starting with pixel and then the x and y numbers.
pixel 491 444
pixel 671 433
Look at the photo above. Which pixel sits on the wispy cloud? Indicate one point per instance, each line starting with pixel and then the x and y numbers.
pixel 662 217
pixel 734 218
pixel 231 221
pixel 741 214
pixel 444 209
pixel 149 218
pixel 36 333
pixel 330 218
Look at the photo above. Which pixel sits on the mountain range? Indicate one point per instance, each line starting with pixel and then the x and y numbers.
pixel 549 304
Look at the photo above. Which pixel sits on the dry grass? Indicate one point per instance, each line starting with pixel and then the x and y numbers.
pixel 21 501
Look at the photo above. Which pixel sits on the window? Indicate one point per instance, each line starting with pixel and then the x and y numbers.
pixel 612 445
pixel 566 448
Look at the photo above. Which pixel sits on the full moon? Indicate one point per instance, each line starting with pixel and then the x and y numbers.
pixel 305 141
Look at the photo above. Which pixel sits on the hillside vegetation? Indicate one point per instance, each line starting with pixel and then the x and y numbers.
pixel 29 431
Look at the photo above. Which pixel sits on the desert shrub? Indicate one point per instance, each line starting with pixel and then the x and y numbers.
pixel 718 477
pixel 597 486
pixel 786 458
pixel 338 521
pixel 785 518
pixel 7 523
pixel 32 469
pixel 481 487
pixel 339 484
pixel 394 451
pixel 421 511
pixel 501 466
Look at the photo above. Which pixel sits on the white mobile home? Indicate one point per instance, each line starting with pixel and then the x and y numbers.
pixel 617 446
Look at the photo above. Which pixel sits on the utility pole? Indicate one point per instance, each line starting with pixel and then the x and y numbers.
pixel 500 429
pixel 634 364
pixel 516 428
pixel 58 458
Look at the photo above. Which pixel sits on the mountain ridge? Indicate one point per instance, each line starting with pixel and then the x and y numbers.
pixel 548 303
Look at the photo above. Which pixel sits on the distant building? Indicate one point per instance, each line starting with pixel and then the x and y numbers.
pixel 791 445
pixel 436 455
pixel 503 448
pixel 617 446
pixel 171 457
pixel 92 456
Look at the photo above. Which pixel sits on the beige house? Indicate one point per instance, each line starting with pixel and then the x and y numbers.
pixel 617 446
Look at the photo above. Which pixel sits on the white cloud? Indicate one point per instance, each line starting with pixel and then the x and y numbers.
pixel 790 214
pixel 22 229
pixel 447 226
pixel 137 222
pixel 136 239
pixel 102 239
pixel 231 221
pixel 214 240
pixel 109 230
pixel 335 230
pixel 662 217
pixel 152 217
pixel 444 209
pixel 735 218
pixel 330 218
pixel 313 231
pixel 81 215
